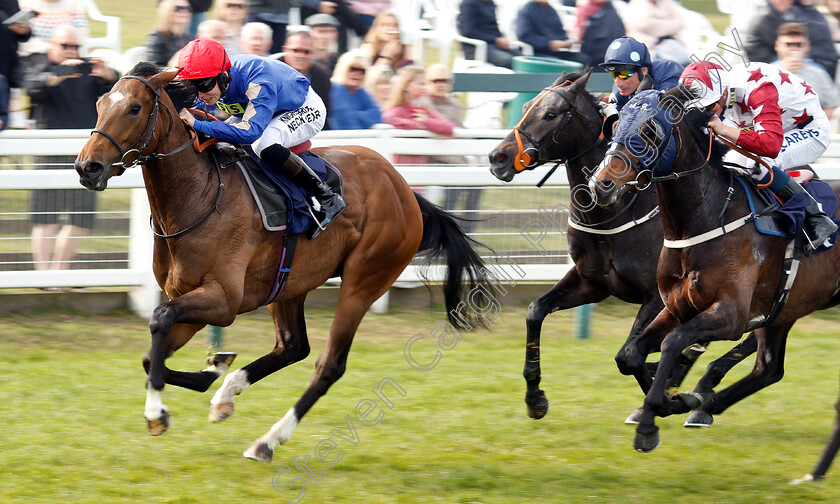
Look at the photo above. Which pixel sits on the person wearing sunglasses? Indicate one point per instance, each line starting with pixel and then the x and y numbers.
pixel 792 49
pixel 351 106
pixel 775 115
pixel 272 107
pixel 171 31
pixel 628 61
pixel 299 54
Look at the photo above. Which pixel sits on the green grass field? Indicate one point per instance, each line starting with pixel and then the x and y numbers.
pixel 74 430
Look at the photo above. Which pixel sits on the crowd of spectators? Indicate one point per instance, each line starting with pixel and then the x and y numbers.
pixel 359 58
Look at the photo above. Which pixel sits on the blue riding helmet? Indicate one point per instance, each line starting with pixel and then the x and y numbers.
pixel 626 52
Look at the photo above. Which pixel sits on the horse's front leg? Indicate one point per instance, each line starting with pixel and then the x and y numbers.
pixel 173 324
pixel 640 343
pixel 569 292
pixel 719 321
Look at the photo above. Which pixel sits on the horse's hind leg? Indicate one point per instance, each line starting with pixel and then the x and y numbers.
pixel 768 369
pixel 715 372
pixel 358 292
pixel 828 453
pixel 291 345
pixel 569 292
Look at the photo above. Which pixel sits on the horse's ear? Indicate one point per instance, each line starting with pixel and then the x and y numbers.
pixel 647 83
pixel 580 84
pixel 163 78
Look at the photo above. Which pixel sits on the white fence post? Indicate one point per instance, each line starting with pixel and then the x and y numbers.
pixel 144 298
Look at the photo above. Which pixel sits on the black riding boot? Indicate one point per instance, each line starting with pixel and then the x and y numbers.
pixel 332 203
pixel 819 226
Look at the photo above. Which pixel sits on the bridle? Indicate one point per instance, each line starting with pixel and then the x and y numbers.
pixel 524 159
pixel 648 172
pixel 146 137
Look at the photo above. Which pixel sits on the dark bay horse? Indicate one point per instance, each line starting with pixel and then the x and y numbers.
pixel 615 249
pixel 717 282
pixel 218 260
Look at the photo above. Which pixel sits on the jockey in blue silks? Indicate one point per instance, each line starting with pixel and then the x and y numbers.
pixel 272 107
pixel 628 62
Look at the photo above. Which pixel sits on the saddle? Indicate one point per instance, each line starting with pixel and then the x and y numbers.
pixel 283 204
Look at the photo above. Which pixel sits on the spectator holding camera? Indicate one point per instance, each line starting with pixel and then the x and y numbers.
pixel 63 90
pixel 792 49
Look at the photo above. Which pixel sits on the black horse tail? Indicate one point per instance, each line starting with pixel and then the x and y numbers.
pixel 444 241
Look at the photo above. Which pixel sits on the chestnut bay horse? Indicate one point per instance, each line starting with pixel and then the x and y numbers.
pixel 615 249
pixel 718 282
pixel 219 261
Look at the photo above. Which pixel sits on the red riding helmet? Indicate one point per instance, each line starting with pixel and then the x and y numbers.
pixel 202 58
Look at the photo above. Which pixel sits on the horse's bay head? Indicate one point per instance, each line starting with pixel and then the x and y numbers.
pixel 130 118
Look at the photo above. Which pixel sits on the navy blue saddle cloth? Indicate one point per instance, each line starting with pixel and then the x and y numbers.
pixel 283 204
pixel 787 220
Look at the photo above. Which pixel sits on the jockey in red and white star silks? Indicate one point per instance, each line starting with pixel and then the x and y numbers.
pixel 771 113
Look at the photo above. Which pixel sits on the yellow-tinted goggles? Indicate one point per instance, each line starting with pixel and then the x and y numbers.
pixel 623 74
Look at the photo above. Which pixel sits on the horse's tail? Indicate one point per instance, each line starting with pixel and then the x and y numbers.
pixel 443 239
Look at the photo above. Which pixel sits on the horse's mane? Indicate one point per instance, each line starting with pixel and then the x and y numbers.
pixel 696 120
pixel 182 96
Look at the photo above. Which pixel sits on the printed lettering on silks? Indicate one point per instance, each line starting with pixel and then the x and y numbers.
pixel 232 108
pixel 798 136
pixel 296 118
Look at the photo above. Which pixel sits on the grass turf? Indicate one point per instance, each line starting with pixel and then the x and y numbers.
pixel 74 430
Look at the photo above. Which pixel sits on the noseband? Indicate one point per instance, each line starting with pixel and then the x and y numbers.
pixel 147 136
pixel 524 159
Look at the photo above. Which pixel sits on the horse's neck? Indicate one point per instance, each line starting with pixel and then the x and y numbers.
pixel 178 184
pixel 692 205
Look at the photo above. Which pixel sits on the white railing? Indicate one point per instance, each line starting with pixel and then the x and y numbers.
pixel 144 291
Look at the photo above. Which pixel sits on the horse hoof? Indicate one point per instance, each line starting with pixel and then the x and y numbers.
pixel 691 399
pixel 219 412
pixel 646 443
pixel 221 360
pixel 634 417
pixel 805 479
pixel 698 418
pixel 537 404
pixel 159 425
pixel 259 451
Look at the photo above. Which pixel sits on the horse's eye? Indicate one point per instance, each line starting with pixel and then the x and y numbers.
pixel 135 109
pixel 550 116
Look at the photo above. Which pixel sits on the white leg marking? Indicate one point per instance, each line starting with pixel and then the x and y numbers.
pixel 281 431
pixel 234 384
pixel 154 404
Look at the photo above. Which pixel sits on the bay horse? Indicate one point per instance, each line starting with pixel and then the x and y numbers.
pixel 217 259
pixel 615 249
pixel 718 278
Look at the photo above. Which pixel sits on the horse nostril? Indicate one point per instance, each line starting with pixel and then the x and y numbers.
pixel 93 167
pixel 606 185
pixel 498 157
